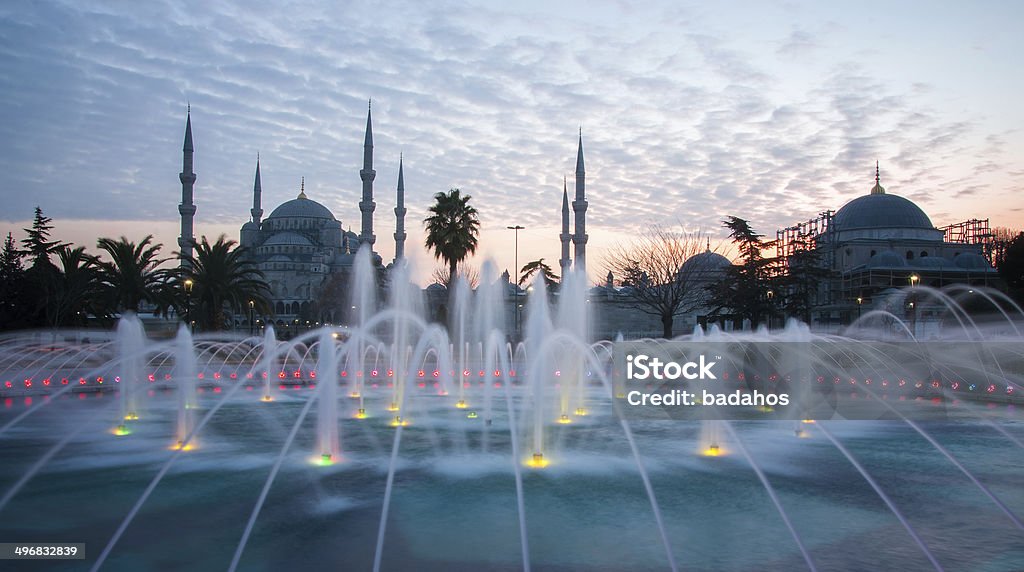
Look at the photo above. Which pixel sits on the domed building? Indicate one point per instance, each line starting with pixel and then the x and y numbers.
pixel 881 241
pixel 301 248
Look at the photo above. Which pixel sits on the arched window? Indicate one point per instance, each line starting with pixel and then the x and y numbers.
pixel 924 253
pixel 872 253
pixel 910 255
pixel 279 308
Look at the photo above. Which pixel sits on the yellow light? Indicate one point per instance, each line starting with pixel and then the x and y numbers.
pixel 471 415
pixel 361 414
pixel 399 422
pixel 131 416
pixel 354 395
pixel 713 451
pixel 266 398
pixel 190 447
pixel 580 412
pixel 564 419
pixel 765 409
pixel 461 404
pixel 808 421
pixel 121 430
pixel 537 461
pixel 392 406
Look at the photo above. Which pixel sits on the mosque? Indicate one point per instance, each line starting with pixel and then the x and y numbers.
pixel 872 245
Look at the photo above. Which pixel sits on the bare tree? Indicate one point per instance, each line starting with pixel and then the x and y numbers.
pixel 468 273
pixel 654 271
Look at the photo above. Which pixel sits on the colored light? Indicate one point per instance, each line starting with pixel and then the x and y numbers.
pixel 266 398
pixel 461 404
pixel 131 416
pixel 392 406
pixel 354 395
pixel 361 414
pixel 280 375
pixel 580 412
pixel 537 461
pixel 564 419
pixel 122 430
pixel 713 451
pixel 398 421
pixel 471 415
pixel 179 446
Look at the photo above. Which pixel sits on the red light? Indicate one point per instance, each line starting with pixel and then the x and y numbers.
pixel 511 373
pixel 282 387
pixel 81 381
pixel 374 373
pixel 99 380
pixel 297 374
pixel 421 373
pixel 312 375
pixel 81 396
pixel 344 374
pixel 280 375
pixel 167 377
pixel 28 401
pixel 296 387
pixel 63 381
pixel 152 378
pixel 264 375
pixel 216 375
pixel 421 385
pixel 991 388
pixel 248 375
pixel 936 384
pixel 117 379
pixel 465 373
pixel 497 373
pixel 8 384
pixel 437 373
pixel 46 381
pixel 391 373
pixel 955 385
pixel 216 390
pixel 233 376
pixel 201 375
pixel 28 383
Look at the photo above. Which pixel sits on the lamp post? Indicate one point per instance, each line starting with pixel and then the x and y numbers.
pixel 860 301
pixel 771 308
pixel 188 303
pixel 252 317
pixel 517 228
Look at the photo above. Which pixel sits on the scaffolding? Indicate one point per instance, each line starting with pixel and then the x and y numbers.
pixel 976 232
pixel 813 233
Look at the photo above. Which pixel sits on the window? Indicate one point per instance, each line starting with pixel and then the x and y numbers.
pixel 910 255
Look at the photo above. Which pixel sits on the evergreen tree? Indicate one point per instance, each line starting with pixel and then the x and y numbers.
pixel 743 292
pixel 38 246
pixel 12 287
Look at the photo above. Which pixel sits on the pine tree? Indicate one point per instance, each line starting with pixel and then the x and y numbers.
pixel 12 286
pixel 38 246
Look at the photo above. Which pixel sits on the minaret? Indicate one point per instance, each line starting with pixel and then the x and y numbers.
pixel 188 181
pixel 257 195
pixel 565 262
pixel 579 209
pixel 400 215
pixel 367 174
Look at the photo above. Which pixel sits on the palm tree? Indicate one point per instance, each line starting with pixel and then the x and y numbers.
pixel 531 268
pixel 224 281
pixel 132 275
pixel 452 229
pixel 76 290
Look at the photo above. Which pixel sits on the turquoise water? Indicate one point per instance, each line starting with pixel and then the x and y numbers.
pixel 454 505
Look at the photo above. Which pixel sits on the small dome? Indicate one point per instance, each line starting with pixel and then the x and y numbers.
pixel 250 226
pixel 287 239
pixel 704 262
pixel 302 208
pixel 887 259
pixel 971 261
pixel 879 210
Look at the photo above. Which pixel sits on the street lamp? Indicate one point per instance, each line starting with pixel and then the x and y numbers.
pixel 914 279
pixel 252 317
pixel 188 301
pixel 859 302
pixel 517 228
pixel 771 296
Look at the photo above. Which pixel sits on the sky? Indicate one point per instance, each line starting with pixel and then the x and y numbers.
pixel 690 112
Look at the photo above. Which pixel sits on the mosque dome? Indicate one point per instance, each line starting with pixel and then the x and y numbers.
pixel 887 259
pixel 880 210
pixel 287 239
pixel 706 261
pixel 302 207
pixel 971 261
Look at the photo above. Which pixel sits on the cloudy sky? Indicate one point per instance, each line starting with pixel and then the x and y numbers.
pixel 690 112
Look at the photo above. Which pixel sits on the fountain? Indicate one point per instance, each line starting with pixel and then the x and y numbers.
pixel 439 449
